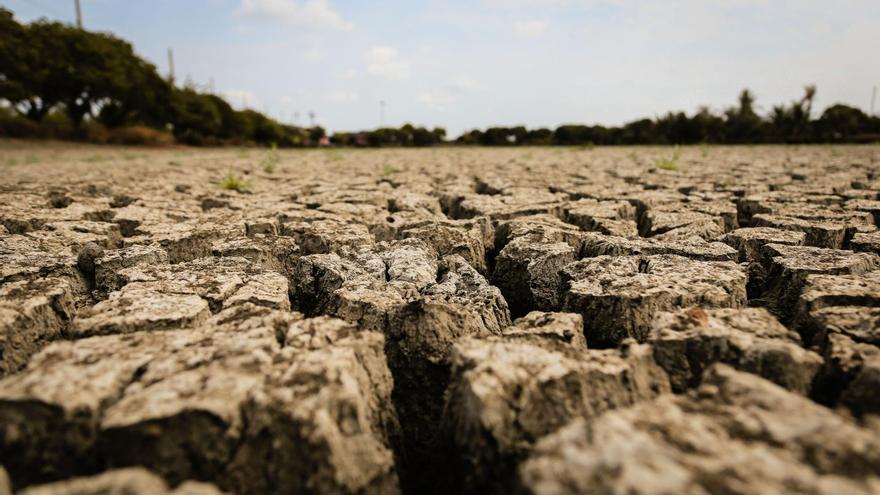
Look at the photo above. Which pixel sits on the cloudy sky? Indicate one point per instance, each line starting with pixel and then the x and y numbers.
pixel 475 63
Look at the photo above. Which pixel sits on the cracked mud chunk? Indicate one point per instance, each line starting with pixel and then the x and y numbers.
pixel 24 258
pixel 504 207
pixel 620 296
pixel 860 323
pixel 528 273
pixel 749 240
pixel 49 413
pixel 538 326
pixel 183 241
pixel 420 340
pixel 818 233
pixel 79 233
pixel 138 307
pixel 680 224
pixel 687 342
pixel 165 297
pixel 695 248
pixel 328 236
pixel 866 242
pixel 851 375
pixel 506 393
pixel 538 229
pixel 423 306
pixel 871 206
pixel 32 314
pixel 324 422
pixel 607 217
pixel 227 402
pixel 734 434
pixel 109 275
pixel 126 481
pixel 787 269
pixel 468 239
pixel 271 253
pixel 326 284
pixel 821 293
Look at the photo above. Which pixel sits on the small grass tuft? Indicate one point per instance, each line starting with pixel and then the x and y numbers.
pixel 704 149
pixel 389 170
pixel 271 160
pixel 588 146
pixel 233 183
pixel 670 163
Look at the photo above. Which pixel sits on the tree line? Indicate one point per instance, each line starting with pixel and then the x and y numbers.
pixel 739 124
pixel 58 81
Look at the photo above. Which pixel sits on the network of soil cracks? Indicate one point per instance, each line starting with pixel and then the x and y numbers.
pixel 447 320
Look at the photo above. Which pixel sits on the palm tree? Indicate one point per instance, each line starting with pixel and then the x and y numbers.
pixel 807 100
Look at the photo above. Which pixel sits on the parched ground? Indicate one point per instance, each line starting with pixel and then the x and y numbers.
pixel 448 320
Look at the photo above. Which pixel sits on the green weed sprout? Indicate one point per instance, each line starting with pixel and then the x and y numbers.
pixel 670 163
pixel 271 160
pixel 232 183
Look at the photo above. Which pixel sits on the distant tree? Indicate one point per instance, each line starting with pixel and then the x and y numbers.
pixel 18 62
pixel 539 137
pixel 643 131
pixel 423 137
pixel 196 118
pixel 791 123
pixel 316 133
pixel 471 137
pixel 842 123
pixel 35 63
pixel 742 124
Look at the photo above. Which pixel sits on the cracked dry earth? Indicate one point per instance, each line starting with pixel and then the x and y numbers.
pixel 539 321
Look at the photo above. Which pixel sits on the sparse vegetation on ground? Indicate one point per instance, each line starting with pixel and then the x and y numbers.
pixel 233 182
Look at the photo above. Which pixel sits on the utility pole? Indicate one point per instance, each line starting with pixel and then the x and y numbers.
pixel 312 117
pixel 381 113
pixel 170 63
pixel 873 99
pixel 79 17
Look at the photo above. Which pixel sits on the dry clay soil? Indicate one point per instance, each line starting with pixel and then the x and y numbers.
pixel 449 320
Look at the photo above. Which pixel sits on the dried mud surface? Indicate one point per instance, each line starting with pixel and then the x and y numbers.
pixel 533 320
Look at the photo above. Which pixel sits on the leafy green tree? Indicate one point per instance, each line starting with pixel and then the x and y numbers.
pixel 195 116
pixel 842 123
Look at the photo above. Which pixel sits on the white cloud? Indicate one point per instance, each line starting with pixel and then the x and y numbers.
pixel 313 54
pixel 466 84
pixel 342 97
pixel 384 61
pixel 435 100
pixel 349 74
pixel 309 14
pixel 241 98
pixel 530 28
pixel 442 99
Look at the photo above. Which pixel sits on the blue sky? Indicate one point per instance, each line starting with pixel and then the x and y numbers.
pixel 474 63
